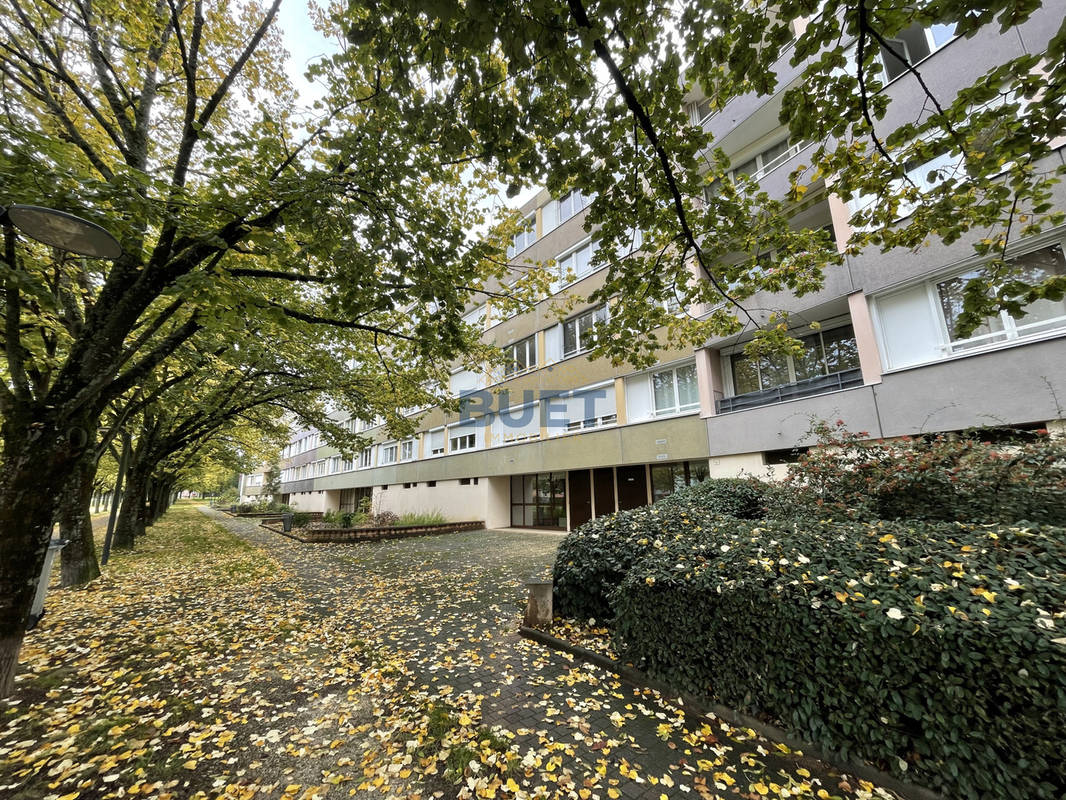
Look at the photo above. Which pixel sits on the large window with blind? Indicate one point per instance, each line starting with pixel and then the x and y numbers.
pixel 920 324
pixel 539 501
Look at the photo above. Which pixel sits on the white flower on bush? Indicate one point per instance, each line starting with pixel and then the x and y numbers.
pixel 802 559
pixel 894 613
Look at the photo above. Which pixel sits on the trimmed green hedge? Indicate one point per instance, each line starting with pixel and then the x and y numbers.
pixel 937 651
pixel 592 561
pixel 939 478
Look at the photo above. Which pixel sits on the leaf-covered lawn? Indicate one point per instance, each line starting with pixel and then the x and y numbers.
pixel 204 666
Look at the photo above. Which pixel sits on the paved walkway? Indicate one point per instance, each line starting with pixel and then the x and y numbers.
pixel 449 606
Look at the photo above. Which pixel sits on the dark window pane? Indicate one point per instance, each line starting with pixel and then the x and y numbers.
pixel 811 362
pixel 774 371
pixel 745 374
pixel 662 481
pixel 841 350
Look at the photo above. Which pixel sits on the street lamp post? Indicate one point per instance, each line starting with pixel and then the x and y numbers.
pixel 72 234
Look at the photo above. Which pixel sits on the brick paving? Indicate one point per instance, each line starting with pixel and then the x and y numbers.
pixel 452 603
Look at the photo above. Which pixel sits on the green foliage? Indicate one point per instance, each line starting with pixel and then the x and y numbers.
pixel 736 497
pixel 941 477
pixel 933 650
pixel 301 519
pixel 592 560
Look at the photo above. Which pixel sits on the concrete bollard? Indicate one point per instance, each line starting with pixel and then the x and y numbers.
pixel 539 605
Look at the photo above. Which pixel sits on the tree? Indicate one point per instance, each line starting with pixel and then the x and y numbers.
pixel 592 95
pixel 171 124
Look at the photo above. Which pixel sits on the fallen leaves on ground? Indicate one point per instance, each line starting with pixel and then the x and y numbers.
pixel 204 666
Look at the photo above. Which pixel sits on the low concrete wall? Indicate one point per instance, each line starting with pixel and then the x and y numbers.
pixel 320 535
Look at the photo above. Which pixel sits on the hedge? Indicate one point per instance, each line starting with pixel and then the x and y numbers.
pixel 937 651
pixel 591 562
pixel 936 478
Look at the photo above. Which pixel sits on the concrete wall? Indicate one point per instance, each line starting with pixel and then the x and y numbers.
pixel 308 501
pixel 457 503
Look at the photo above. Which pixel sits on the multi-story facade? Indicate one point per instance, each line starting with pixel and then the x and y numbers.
pixel 568 438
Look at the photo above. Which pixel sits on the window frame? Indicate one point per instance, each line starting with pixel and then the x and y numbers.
pixel 676 408
pixel 574 210
pixel 453 447
pixel 390 453
pixel 527 236
pixel 583 346
pixel 530 343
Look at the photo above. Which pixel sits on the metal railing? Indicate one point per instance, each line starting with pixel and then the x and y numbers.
pixel 792 391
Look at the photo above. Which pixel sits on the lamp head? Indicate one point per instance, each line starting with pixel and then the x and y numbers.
pixel 63 231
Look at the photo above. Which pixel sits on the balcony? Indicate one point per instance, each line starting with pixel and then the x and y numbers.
pixel 793 391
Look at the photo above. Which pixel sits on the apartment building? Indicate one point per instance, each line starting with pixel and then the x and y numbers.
pixel 567 438
pixel 887 359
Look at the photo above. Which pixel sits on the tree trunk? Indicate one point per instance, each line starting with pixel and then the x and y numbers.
pixel 131 514
pixel 78 559
pixel 39 460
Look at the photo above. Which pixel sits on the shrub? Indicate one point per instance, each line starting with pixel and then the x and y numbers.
pixel 301 519
pixel 936 478
pixel 592 560
pixel 736 497
pixel 383 519
pixel 934 650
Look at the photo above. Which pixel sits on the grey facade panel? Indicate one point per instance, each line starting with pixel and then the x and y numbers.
pixel 784 425
pixel 1013 386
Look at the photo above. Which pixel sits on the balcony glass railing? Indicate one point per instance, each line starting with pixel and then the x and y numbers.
pixel 792 391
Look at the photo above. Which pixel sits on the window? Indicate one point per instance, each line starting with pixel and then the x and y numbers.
pixel 576 264
pixel 409 485
pixel 579 332
pixel 668 478
pixel 464 481
pixel 366 457
pixel 539 501
pixel 407 451
pixel 466 441
pixel 521 356
pixel 431 484
pixel 1039 317
pixel 675 390
pixel 388 454
pixel 699 111
pixel 571 203
pixel 525 237
pixel 912 45
pixel 436 442
pixel 825 353
pixel 768 160
pixel 384 487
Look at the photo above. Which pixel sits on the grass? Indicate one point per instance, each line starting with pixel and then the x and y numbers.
pixel 411 518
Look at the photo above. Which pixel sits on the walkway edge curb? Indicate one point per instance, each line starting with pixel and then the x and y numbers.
pixel 703 707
